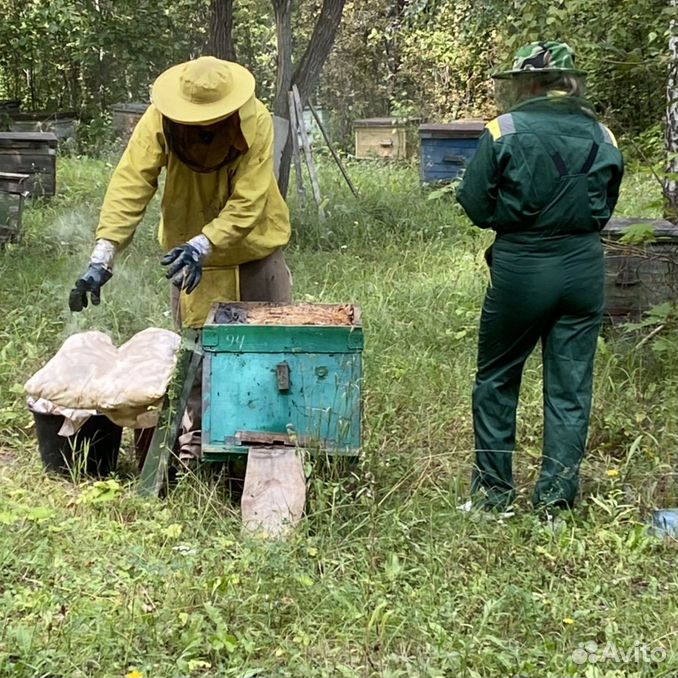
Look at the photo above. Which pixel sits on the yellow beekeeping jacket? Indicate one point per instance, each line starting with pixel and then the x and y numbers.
pixel 238 207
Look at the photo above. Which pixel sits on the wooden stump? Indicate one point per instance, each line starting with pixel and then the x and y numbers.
pixel 275 491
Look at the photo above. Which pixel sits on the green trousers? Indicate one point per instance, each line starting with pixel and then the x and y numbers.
pixel 547 288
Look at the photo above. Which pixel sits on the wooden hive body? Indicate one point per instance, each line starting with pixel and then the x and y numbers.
pixel 446 149
pixel 282 384
pixel 32 153
pixel 124 118
pixel 380 138
pixel 638 277
pixel 12 194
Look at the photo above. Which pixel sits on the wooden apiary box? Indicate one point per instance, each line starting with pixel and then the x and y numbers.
pixel 63 124
pixel 32 153
pixel 640 276
pixel 446 149
pixel 380 138
pixel 125 118
pixel 281 375
pixel 12 194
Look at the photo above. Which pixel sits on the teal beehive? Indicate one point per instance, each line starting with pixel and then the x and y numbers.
pixel 279 375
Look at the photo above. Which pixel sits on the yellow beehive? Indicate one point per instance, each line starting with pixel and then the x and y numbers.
pixel 384 138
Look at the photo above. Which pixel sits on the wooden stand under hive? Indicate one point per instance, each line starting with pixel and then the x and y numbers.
pixel 281 375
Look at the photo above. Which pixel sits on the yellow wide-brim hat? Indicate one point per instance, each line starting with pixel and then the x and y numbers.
pixel 202 91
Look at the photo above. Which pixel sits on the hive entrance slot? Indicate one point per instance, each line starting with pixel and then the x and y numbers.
pixel 264 438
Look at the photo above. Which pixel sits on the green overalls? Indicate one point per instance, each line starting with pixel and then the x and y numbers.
pixel 546 178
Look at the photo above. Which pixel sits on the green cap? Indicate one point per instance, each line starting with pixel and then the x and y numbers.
pixel 549 56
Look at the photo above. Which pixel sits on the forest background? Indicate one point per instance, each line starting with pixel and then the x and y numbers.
pixel 427 59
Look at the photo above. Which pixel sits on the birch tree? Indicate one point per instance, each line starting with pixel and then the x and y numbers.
pixel 671 180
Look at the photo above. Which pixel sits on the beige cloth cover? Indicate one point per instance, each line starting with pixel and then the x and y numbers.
pixel 127 384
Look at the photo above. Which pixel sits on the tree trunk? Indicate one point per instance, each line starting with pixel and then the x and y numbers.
pixel 282 10
pixel 392 49
pixel 220 39
pixel 671 180
pixel 307 73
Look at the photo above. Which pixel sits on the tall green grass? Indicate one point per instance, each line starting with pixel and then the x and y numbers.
pixel 385 576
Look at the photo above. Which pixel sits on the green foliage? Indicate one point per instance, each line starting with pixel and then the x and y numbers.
pixel 622 47
pixel 85 56
pixel 255 42
pixel 385 577
pixel 425 59
pixel 638 234
pixel 390 204
pixel 641 194
pixel 657 328
pixel 435 58
pixel 646 149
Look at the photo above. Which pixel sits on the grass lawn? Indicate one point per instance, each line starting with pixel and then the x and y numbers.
pixel 385 577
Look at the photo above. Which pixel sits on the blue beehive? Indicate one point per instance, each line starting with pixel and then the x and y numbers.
pixel 281 375
pixel 447 148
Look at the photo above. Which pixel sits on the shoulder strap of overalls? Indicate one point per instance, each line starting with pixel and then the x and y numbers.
pixel 560 163
pixel 505 124
pixel 560 189
pixel 590 158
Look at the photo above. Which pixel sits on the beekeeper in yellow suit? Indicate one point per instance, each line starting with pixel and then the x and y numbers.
pixel 223 218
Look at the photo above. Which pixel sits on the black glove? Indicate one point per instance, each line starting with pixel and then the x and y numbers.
pixel 91 281
pixel 185 266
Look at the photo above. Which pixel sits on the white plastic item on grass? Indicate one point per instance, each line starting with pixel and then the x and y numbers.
pixel 72 377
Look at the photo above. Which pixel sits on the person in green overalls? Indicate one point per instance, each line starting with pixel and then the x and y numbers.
pixel 546 179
